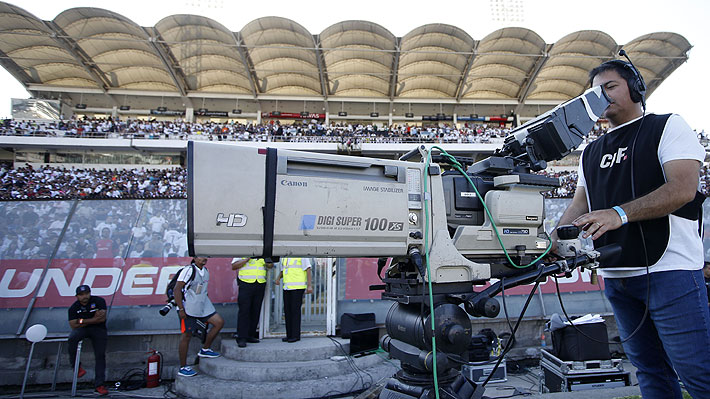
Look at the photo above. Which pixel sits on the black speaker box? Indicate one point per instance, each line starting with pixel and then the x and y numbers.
pixel 355 321
pixel 570 345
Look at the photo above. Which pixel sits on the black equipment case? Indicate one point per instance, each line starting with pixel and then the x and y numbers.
pixel 355 321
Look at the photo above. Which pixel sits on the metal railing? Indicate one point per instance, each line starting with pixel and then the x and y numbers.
pixel 359 138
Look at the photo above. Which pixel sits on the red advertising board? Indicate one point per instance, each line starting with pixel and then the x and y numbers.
pixel 137 281
pixel 292 115
pixel 142 281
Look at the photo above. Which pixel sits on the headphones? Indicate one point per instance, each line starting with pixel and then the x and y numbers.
pixel 637 87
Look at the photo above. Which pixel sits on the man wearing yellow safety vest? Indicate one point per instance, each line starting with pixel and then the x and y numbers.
pixel 296 273
pixel 251 278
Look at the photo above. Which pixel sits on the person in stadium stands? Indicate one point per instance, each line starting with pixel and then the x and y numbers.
pixel 87 318
pixel 105 247
pixel 154 247
pixel 138 250
pixel 195 308
pixel 122 233
pixel 657 226
pixel 251 279
pixel 296 273
pixel 107 223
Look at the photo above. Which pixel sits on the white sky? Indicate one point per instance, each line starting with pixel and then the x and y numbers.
pixel 684 92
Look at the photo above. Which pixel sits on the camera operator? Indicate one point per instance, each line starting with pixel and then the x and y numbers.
pixel 195 308
pixel 87 318
pixel 638 188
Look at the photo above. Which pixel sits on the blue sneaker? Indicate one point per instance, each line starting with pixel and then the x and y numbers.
pixel 208 353
pixel 187 371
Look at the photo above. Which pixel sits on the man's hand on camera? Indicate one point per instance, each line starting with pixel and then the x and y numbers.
pixel 182 313
pixel 596 223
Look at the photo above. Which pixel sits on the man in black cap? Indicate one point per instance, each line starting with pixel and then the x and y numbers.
pixel 87 318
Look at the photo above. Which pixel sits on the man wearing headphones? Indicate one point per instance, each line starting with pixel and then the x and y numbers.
pixel 638 187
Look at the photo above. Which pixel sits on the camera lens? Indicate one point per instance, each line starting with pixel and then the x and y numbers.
pixel 165 309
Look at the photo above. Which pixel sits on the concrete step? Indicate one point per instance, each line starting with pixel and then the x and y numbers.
pixel 233 370
pixel 205 386
pixel 274 350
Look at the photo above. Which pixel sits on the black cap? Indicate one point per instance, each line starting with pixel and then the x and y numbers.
pixel 82 288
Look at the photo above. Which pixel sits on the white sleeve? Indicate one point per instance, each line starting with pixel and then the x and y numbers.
pixel 306 264
pixel 185 274
pixel 679 141
pixel 581 182
pixel 237 259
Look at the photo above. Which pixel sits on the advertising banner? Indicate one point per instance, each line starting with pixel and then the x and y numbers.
pixel 137 281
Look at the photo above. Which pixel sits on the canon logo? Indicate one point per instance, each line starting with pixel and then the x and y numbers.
pixel 292 183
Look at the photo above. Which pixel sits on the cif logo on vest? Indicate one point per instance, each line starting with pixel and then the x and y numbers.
pixel 608 160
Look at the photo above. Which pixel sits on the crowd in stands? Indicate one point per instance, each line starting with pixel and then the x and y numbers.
pixel 299 131
pixel 309 131
pixel 47 182
pixel 60 183
pixel 97 229
pixel 568 183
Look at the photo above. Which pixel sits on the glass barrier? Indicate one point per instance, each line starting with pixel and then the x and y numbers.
pixel 128 250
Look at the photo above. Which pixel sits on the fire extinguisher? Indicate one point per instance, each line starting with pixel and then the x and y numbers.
pixel 154 369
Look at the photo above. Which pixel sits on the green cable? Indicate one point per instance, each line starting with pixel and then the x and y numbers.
pixel 428 271
pixel 457 165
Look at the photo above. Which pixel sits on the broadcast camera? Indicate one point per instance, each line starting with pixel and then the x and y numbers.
pixel 442 225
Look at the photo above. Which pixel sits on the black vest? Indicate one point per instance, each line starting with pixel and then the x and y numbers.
pixel 607 173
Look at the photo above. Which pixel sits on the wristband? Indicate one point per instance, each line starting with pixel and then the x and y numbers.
pixel 81 321
pixel 622 215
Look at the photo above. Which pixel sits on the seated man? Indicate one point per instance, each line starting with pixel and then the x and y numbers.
pixel 87 318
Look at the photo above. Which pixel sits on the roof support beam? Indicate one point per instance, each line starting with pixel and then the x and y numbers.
pixel 395 68
pixel 324 83
pixel 469 63
pixel 81 58
pixel 528 82
pixel 169 62
pixel 248 65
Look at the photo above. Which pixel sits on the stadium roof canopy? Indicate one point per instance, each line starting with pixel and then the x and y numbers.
pixel 94 50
